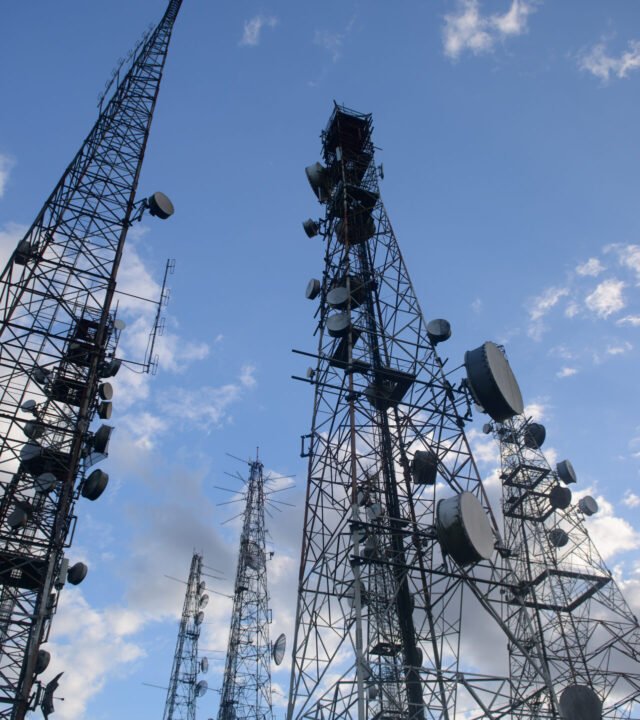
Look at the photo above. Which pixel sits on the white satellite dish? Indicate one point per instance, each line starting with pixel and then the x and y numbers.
pixel 279 647
pixel 204 601
pixel 204 665
pixel 201 688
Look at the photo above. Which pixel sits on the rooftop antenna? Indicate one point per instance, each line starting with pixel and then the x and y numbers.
pixel 186 684
pixel 59 329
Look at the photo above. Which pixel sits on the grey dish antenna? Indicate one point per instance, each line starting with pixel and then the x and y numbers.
pixel 160 206
pixel 464 529
pixel 279 647
pixel 204 665
pixel 492 382
pixel 438 330
pixel 201 688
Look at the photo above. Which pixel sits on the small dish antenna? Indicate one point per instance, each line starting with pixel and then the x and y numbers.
pixel 28 406
pixel 199 618
pixel 279 647
pixel 201 688
pixel 204 601
pixel 204 665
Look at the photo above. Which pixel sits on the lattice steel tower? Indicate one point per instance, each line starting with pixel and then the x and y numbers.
pixel 57 346
pixel 246 688
pixel 402 555
pixel 591 639
pixel 184 686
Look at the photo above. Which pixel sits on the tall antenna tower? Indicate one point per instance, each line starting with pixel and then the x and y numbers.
pixel 246 687
pixel 402 553
pixel 589 634
pixel 184 686
pixel 58 336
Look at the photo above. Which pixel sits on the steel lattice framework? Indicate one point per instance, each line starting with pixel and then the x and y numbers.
pixel 380 605
pixel 57 341
pixel 184 687
pixel 246 688
pixel 591 639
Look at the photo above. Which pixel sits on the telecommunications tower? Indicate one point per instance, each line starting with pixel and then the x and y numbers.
pixel 58 337
pixel 591 639
pixel 246 687
pixel 402 556
pixel 184 686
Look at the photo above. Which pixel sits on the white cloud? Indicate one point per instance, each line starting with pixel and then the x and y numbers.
pixel 6 165
pixel 611 534
pixel 591 267
pixel 536 410
pixel 468 29
pixel 619 349
pixel 604 66
pixel 333 42
pixel 253 28
pixel 541 305
pixel 476 306
pixel 566 372
pixel 92 646
pixel 10 235
pixel 207 406
pixel 630 257
pixel 631 499
pixel 607 298
pixel 633 320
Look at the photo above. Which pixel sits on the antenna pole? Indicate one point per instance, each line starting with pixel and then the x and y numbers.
pixel 58 345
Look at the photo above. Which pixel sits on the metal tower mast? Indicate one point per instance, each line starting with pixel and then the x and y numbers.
pixel 400 543
pixel 591 639
pixel 57 342
pixel 246 687
pixel 184 686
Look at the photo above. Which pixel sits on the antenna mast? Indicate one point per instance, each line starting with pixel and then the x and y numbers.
pixel 246 688
pixel 184 687
pixel 588 632
pixel 58 337
pixel 402 556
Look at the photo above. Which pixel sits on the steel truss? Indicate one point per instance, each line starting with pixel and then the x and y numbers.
pixel 589 635
pixel 246 688
pixel 57 342
pixel 184 687
pixel 380 605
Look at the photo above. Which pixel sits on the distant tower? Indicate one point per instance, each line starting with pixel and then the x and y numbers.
pixel 402 554
pixel 184 686
pixel 246 688
pixel 58 336
pixel 590 637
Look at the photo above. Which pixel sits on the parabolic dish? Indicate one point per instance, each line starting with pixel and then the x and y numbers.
pixel 588 505
pixel 279 647
pixel 199 618
pixel 204 601
pixel 558 537
pixel 492 382
pixel 580 702
pixel 338 325
pixel 28 406
pixel 534 435
pixel 464 529
pixel 201 688
pixel 438 330
pixel 160 206
pixel 560 497
pixel 566 473
pixel 204 665
pixel 202 586
pixel 313 289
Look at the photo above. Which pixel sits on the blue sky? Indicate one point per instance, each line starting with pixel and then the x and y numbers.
pixel 508 133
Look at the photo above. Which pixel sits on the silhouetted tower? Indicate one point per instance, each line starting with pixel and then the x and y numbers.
pixel 184 686
pixel 401 552
pixel 591 639
pixel 58 336
pixel 246 688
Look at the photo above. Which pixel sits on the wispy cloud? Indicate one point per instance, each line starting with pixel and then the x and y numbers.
pixel 591 267
pixel 633 320
pixel 607 298
pixel 631 499
pixel 539 306
pixel 566 372
pixel 599 63
pixel 253 29
pixel 468 29
pixel 333 42
pixel 620 349
pixel 6 165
